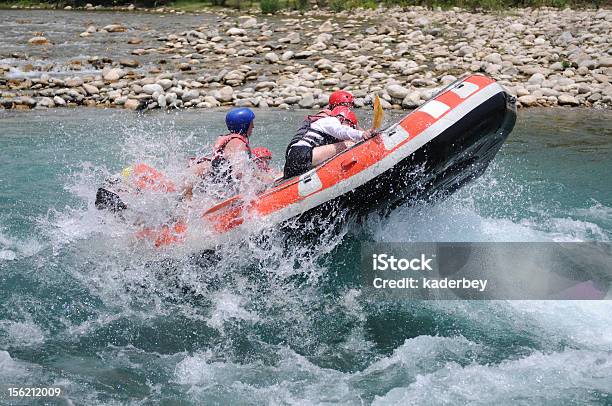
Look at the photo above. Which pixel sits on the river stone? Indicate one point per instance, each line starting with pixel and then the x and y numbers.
pixel 600 77
pixel 27 100
pixel 152 88
pixel 73 82
pixel 271 57
pixel 412 100
pixel 59 101
pixel 212 101
pixel 307 101
pixel 605 62
pixel 129 62
pixel 165 83
pixel 265 85
pixel 235 31
pixel 517 27
pixel 397 91
pixel 132 104
pixel 568 99
pixel 38 41
pixel 171 98
pixel 190 95
pixel 536 79
pixel 161 100
pixel 225 94
pixel 494 58
pixel 421 21
pixel 557 66
pixel 465 50
pixel 114 28
pixel 326 27
pixel 565 38
pixel 287 55
pixel 243 103
pixel 114 74
pixel 247 21
pixel 91 29
pixel 294 38
pixel 528 100
pixel 594 97
pixel 324 37
pixel 45 102
pixel 323 64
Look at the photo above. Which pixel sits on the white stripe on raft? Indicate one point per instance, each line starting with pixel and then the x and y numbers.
pixel 464 89
pixel 434 108
pixel 394 138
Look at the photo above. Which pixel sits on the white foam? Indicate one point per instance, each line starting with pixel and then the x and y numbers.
pixel 538 378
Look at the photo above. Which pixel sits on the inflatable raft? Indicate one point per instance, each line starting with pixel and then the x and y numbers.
pixel 434 150
pixel 437 148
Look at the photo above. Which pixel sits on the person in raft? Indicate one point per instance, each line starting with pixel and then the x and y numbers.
pixel 320 137
pixel 232 155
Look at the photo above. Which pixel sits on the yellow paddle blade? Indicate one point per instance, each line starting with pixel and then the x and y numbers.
pixel 378 113
pixel 126 172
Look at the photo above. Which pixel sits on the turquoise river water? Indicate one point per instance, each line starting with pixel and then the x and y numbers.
pixel 109 321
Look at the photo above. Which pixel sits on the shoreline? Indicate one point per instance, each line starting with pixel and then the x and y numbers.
pixel 546 57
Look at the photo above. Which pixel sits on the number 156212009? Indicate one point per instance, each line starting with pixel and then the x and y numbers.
pixel 34 392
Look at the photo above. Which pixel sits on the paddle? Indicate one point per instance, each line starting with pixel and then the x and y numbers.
pixel 378 113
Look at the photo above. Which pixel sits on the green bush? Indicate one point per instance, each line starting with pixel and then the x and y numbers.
pixel 302 4
pixel 269 6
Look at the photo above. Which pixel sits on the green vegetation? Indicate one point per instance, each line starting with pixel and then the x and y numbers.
pixel 273 6
pixel 269 6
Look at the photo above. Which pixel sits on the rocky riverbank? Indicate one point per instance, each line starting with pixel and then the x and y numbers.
pixel 547 57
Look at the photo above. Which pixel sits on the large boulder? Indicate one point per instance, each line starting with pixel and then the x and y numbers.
pixel 397 91
pixel 114 74
pixel 190 95
pixel 152 88
pixel 528 100
pixel 568 99
pixel 225 94
pixel 307 101
pixel 132 104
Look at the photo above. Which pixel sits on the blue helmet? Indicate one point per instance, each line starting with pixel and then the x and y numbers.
pixel 239 119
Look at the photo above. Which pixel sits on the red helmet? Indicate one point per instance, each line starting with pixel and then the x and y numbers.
pixel 262 157
pixel 345 114
pixel 261 153
pixel 340 98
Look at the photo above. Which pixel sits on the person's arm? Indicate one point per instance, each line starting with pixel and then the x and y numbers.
pixel 333 127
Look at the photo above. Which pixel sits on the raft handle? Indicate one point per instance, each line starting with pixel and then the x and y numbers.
pixel 348 164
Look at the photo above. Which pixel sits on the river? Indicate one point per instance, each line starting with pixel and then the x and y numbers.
pixel 83 308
